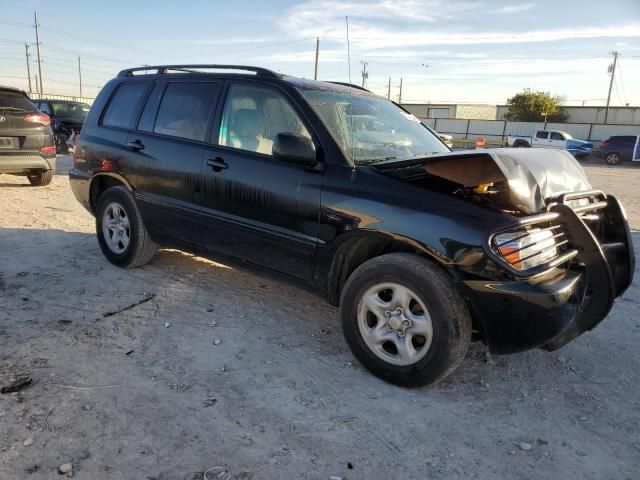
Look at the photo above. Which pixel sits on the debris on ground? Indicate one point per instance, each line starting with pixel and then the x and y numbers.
pixel 18 385
pixel 216 342
pixel 28 442
pixel 66 469
pixel 167 324
pixel 525 446
pixel 145 299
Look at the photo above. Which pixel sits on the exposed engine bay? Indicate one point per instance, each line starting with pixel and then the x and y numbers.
pixel 520 181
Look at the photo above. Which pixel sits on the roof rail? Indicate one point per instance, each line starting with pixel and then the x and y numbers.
pixel 352 85
pixel 164 69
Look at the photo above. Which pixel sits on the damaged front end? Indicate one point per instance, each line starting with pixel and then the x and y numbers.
pixel 566 253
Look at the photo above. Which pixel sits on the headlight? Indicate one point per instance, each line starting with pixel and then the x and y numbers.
pixel 527 249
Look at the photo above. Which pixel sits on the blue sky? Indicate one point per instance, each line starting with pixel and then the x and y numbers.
pixel 465 51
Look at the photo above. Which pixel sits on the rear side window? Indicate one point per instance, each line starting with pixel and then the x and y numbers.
pixel 15 101
pixel 123 107
pixel 185 109
pixel 44 108
pixel 542 134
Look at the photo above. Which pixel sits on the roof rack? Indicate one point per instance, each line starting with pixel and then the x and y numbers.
pixel 165 69
pixel 352 85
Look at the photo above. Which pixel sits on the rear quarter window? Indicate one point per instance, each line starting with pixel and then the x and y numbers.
pixel 124 105
pixel 624 139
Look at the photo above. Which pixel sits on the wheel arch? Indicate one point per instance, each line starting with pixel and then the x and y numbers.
pixel 101 182
pixel 361 246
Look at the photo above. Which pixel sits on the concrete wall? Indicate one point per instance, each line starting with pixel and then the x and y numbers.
pixel 577 114
pixel 498 130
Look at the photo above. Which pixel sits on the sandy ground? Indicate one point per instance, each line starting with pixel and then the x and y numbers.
pixel 279 396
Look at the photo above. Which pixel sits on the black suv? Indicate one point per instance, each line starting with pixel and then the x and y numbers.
pixel 346 192
pixel 67 118
pixel 26 140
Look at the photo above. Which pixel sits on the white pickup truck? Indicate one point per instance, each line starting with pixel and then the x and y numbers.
pixel 553 139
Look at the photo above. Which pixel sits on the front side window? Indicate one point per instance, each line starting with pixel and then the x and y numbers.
pixel 254 116
pixel 556 136
pixel 185 109
pixel 370 128
pixel 123 108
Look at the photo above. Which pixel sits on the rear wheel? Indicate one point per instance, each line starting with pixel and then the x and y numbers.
pixel 613 158
pixel 404 320
pixel 521 144
pixel 122 235
pixel 41 178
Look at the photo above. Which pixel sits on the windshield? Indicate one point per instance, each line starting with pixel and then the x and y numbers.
pixel 371 129
pixel 67 109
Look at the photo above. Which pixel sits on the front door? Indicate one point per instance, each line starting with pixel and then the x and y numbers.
pixel 259 209
pixel 165 155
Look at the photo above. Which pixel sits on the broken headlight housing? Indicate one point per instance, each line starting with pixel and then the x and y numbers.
pixel 526 249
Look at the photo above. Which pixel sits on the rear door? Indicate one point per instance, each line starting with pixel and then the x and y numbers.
pixel 165 154
pixel 541 139
pixel 259 209
pixel 16 133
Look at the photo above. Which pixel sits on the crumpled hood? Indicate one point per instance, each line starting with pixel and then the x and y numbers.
pixel 532 174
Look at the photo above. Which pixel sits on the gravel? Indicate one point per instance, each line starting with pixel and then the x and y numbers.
pixel 283 376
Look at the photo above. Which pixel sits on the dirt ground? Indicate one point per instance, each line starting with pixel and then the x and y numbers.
pixel 214 366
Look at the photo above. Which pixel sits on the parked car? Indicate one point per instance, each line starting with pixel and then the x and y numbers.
pixel 552 139
pixel 67 118
pixel 26 139
pixel 341 190
pixel 619 148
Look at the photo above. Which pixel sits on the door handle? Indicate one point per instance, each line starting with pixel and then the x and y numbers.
pixel 217 164
pixel 135 145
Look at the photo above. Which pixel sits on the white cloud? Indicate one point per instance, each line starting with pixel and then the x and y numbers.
pixel 515 8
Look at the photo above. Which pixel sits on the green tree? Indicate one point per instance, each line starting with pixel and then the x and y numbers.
pixel 528 106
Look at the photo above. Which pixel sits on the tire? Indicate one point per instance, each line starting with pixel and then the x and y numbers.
pixel 521 144
pixel 431 292
pixel 42 178
pixel 613 158
pixel 61 143
pixel 127 243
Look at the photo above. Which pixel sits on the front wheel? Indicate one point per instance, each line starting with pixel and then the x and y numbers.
pixel 613 158
pixel 404 320
pixel 122 235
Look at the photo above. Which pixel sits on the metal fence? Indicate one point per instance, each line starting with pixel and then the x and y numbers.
pixel 497 131
pixel 47 96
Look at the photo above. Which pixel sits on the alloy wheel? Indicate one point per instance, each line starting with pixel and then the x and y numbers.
pixel 116 228
pixel 394 323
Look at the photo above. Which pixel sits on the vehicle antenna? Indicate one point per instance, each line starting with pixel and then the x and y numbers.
pixel 353 149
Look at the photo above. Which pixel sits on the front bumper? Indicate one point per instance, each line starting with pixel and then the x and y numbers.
pixel 23 163
pixel 555 306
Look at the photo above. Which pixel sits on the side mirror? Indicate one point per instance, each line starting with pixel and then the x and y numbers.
pixel 290 147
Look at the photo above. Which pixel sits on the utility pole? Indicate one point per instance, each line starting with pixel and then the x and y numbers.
pixel 389 89
pixel 365 74
pixel 613 72
pixel 80 75
pixel 315 74
pixel 400 95
pixel 35 16
pixel 37 83
pixel 26 52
